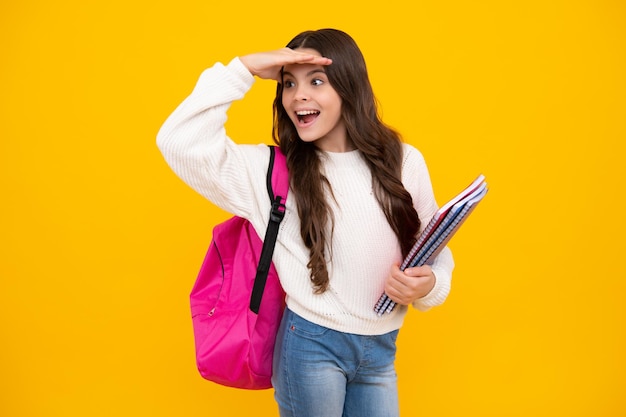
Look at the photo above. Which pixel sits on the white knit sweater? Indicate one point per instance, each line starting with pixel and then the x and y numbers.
pixel 194 143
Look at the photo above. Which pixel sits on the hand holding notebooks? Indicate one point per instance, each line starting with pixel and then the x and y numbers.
pixel 444 224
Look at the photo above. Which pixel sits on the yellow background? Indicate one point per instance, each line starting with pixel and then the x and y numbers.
pixel 101 242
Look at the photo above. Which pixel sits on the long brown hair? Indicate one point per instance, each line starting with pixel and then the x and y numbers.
pixel 379 144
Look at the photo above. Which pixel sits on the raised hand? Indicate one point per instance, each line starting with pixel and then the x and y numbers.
pixel 267 65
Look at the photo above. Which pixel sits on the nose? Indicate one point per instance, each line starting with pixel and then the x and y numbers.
pixel 301 94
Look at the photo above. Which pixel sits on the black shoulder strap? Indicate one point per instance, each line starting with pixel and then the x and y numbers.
pixel 277 213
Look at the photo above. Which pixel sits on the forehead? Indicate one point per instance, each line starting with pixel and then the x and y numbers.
pixel 303 70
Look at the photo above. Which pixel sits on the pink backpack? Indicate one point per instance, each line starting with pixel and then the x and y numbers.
pixel 237 301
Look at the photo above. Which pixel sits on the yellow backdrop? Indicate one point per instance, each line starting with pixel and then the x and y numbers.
pixel 101 242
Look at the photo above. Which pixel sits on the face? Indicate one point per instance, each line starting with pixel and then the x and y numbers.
pixel 314 106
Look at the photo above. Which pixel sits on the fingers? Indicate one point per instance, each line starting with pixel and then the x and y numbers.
pixel 287 56
pixel 418 271
pixel 406 286
pixel 267 65
pixel 305 58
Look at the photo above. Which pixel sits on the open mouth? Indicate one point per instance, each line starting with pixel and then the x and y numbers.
pixel 306 117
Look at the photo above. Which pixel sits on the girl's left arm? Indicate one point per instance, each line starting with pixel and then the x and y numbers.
pixel 438 276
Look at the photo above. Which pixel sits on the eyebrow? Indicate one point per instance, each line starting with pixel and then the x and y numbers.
pixel 308 74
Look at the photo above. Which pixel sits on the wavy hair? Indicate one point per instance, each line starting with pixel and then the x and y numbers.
pixel 379 145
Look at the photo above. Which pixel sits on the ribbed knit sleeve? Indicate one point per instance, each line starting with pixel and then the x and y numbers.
pixel 194 143
pixel 416 179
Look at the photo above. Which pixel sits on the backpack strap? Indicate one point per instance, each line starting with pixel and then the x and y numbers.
pixel 277 188
pixel 277 178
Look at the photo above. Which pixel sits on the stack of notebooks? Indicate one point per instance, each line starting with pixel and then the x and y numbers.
pixel 438 232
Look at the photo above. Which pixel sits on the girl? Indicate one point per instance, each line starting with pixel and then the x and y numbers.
pixel 358 198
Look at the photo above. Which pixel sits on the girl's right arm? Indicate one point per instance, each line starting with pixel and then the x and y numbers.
pixel 194 143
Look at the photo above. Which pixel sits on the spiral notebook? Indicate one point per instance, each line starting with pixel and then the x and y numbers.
pixel 444 224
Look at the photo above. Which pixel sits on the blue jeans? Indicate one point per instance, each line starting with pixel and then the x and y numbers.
pixel 319 372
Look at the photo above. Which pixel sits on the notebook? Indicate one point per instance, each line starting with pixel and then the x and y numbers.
pixel 440 229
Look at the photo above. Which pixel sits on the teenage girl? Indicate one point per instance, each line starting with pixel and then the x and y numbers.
pixel 358 198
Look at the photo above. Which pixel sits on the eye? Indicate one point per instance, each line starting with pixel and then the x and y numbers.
pixel 288 84
pixel 317 81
